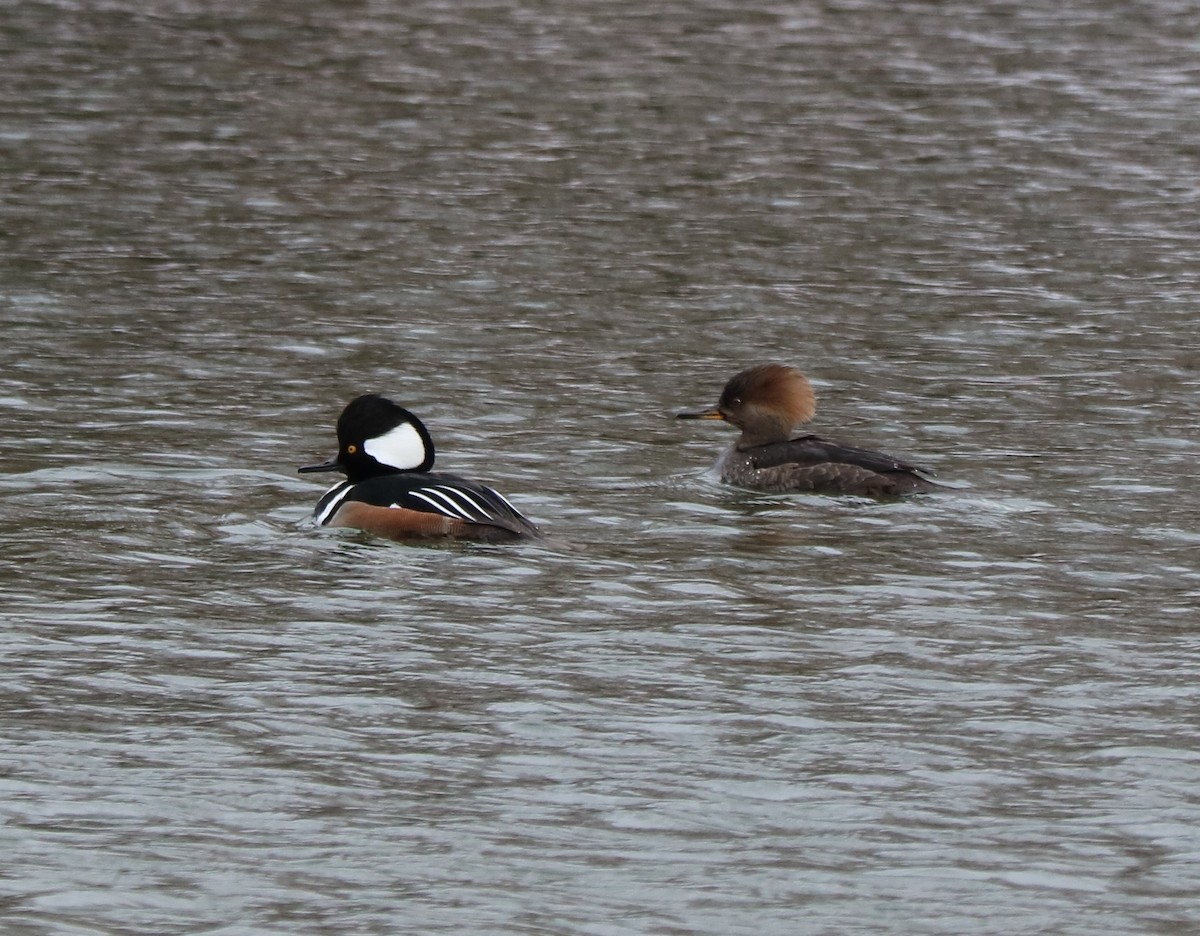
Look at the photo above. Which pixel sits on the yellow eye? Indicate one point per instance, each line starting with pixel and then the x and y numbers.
pixel 351 449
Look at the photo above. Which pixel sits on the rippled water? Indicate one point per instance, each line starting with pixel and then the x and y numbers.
pixel 546 228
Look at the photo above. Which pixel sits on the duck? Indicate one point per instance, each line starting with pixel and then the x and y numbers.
pixel 390 489
pixel 767 403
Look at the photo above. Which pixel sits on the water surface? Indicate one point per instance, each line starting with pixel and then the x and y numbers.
pixel 546 228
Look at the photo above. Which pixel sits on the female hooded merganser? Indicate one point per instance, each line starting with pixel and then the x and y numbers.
pixel 767 402
pixel 386 453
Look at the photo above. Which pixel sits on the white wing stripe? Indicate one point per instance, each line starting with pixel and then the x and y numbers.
pixel 504 500
pixel 456 492
pixel 447 509
pixel 449 502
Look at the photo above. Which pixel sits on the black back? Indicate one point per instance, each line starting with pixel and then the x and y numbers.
pixel 439 493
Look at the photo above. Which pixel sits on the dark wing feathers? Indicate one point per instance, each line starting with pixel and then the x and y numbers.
pixel 810 463
pixel 445 494
pixel 813 450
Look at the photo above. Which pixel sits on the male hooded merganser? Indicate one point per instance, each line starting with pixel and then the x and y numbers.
pixel 767 402
pixel 386 453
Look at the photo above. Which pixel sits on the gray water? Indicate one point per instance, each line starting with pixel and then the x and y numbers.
pixel 546 228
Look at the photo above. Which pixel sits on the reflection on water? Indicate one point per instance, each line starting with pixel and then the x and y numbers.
pixel 546 229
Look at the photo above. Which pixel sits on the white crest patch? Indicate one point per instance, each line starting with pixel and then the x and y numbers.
pixel 401 447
